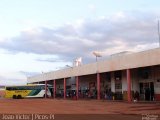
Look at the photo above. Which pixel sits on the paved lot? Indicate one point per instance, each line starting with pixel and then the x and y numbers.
pixel 56 106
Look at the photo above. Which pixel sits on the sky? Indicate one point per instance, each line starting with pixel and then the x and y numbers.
pixel 38 36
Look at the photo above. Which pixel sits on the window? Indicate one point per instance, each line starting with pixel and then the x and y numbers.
pixel 144 73
pixel 25 87
pixel 118 80
pixel 108 77
pixel 118 75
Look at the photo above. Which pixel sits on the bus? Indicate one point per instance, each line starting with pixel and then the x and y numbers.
pixel 28 91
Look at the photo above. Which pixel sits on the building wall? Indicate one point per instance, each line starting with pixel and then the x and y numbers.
pixel 157 82
pixel 124 81
pixel 59 86
pixel 154 76
pixel 134 62
pixel 135 80
pixel 71 81
pixel 84 81
pixel 129 61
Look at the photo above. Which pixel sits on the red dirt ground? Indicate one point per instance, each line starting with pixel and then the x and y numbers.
pixel 2 93
pixel 57 106
pixel 79 109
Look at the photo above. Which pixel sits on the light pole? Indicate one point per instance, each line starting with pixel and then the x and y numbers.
pixel 97 54
pixel 158 33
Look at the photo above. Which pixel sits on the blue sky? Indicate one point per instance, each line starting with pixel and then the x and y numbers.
pixel 44 35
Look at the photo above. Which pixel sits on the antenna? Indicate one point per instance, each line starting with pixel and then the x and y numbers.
pixel 158 33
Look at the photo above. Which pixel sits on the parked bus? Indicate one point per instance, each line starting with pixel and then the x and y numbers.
pixel 27 91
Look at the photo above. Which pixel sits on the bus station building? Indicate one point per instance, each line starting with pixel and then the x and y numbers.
pixel 127 76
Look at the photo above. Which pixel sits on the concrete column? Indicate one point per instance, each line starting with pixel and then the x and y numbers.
pixel 128 85
pixel 98 86
pixel 54 93
pixel 112 82
pixel 64 84
pixel 45 89
pixel 77 87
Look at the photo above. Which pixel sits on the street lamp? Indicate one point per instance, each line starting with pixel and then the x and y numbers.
pixel 158 33
pixel 97 54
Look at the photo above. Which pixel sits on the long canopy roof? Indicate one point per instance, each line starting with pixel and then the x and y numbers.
pixel 114 63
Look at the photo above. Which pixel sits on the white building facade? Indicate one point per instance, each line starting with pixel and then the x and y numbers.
pixel 123 77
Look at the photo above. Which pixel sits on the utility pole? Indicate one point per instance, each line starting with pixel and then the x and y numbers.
pixel 158 33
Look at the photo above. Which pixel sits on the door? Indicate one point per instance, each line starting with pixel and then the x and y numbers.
pixel 147 91
pixel 152 90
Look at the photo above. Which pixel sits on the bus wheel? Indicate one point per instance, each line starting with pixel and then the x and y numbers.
pixel 14 97
pixel 19 97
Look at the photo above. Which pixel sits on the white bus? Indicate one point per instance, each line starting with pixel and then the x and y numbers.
pixel 28 91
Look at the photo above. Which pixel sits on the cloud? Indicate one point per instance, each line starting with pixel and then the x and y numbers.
pixel 12 82
pixel 119 32
pixel 12 78
pixel 53 60
pixel 28 74
pixel 92 7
